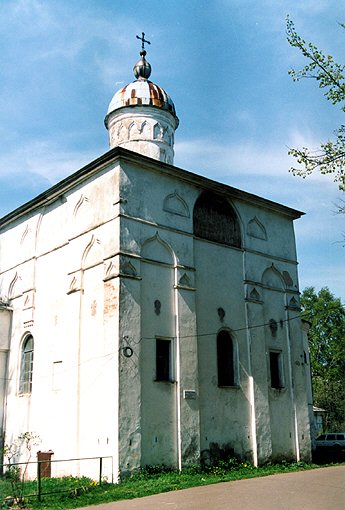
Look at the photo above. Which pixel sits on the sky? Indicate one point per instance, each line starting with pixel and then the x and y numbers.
pixel 224 63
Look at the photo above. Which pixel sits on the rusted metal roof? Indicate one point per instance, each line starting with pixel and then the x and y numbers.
pixel 144 93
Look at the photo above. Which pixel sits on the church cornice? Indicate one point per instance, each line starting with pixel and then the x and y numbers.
pixel 59 190
pixel 210 185
pixel 186 233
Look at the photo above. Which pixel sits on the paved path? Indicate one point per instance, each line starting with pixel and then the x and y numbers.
pixel 317 489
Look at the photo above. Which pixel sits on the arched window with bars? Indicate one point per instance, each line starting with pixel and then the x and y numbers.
pixel 214 219
pixel 26 368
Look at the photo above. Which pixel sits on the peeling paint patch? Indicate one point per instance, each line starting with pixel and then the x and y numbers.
pixel 110 298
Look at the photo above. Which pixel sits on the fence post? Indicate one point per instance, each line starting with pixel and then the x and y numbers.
pixel 100 469
pixel 39 481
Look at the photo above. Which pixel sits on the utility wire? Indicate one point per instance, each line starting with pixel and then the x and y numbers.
pixel 129 341
pixel 245 328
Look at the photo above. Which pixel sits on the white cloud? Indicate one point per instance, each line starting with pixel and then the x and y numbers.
pixel 248 158
pixel 46 159
pixel 71 34
pixel 244 157
pixel 313 6
pixel 27 14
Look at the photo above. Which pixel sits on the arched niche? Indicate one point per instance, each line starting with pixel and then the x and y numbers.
pixel 158 250
pixel 175 204
pixel 272 278
pixel 92 254
pixel 157 131
pixel 256 229
pixel 133 131
pixel 83 200
pixel 145 130
pixel 215 220
pixel 15 288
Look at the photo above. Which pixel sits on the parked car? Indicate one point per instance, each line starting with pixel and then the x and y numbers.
pixel 335 440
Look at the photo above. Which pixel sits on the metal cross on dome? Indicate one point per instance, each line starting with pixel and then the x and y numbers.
pixel 143 40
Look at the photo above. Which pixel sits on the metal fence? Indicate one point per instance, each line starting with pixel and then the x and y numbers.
pixel 38 474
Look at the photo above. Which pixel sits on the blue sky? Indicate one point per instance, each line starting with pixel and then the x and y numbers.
pixel 224 63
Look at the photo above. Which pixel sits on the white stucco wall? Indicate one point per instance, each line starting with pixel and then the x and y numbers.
pixel 258 422
pixel 83 273
pixel 58 294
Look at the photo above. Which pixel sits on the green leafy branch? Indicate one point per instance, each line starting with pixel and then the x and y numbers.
pixel 330 157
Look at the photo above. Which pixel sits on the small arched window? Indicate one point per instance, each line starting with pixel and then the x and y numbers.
pixel 214 219
pixel 27 360
pixel 225 359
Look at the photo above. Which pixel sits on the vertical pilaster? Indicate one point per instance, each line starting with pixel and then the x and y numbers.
pixel 301 379
pixel 129 379
pixel 188 391
pixel 5 335
pixel 257 351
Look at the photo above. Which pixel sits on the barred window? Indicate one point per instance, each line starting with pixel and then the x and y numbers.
pixel 215 220
pixel 27 359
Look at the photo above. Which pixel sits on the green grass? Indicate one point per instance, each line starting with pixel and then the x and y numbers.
pixel 84 491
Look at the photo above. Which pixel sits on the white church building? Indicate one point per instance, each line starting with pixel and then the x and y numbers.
pixel 150 314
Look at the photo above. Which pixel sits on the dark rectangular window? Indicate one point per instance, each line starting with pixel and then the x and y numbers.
pixel 276 380
pixel 225 359
pixel 163 360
